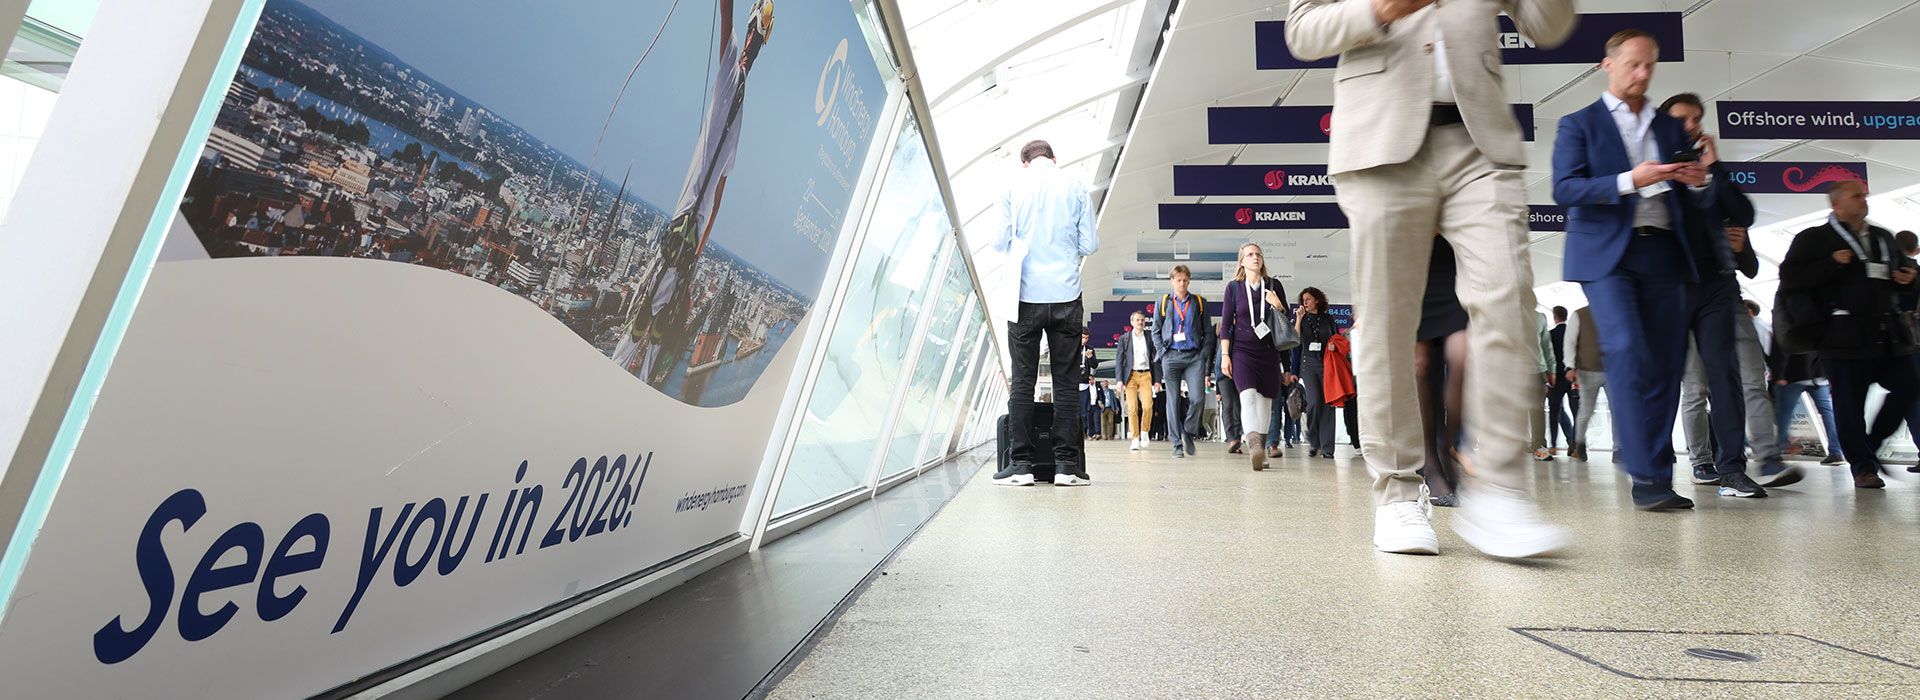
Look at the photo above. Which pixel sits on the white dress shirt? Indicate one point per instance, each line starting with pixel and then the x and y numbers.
pixel 1140 352
pixel 1442 73
pixel 1636 131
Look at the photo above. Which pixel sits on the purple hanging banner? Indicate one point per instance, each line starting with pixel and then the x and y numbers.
pixel 1303 124
pixel 1251 216
pixel 1770 177
pixel 1240 180
pixel 1793 121
pixel 1588 44
pixel 1228 217
pixel 1546 217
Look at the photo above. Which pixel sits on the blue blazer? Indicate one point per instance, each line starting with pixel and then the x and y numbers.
pixel 1588 157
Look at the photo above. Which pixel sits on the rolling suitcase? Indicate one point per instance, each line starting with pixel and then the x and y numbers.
pixel 1043 461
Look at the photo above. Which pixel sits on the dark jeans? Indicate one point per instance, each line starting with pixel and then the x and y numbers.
pixel 1191 366
pixel 1558 419
pixel 1850 380
pixel 1713 306
pixel 1229 407
pixel 1277 418
pixel 1061 323
pixel 1319 416
pixel 1089 412
pixel 1351 414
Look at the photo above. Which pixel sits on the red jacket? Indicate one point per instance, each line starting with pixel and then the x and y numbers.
pixel 1339 371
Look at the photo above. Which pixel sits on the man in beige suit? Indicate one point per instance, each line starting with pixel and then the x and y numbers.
pixel 1423 138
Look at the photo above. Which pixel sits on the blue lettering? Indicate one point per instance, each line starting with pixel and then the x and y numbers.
pixel 207 578
pixel 449 560
pixel 113 643
pixel 370 560
pixel 274 606
pixel 406 572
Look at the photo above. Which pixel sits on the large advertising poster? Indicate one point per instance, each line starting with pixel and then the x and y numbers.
pixel 495 303
pixel 674 207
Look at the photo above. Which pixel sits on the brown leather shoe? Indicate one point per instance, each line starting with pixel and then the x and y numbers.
pixel 1233 448
pixel 1274 453
pixel 1869 480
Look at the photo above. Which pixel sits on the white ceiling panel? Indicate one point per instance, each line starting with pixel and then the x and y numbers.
pixel 1889 41
pixel 1852 50
pixel 1780 26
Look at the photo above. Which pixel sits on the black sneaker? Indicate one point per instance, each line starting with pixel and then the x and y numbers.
pixel 1778 474
pixel 1190 447
pixel 1705 476
pixel 1658 497
pixel 1915 469
pixel 1016 474
pixel 1450 500
pixel 1833 460
pixel 1739 485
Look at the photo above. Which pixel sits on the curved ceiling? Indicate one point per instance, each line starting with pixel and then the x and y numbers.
pixel 1092 77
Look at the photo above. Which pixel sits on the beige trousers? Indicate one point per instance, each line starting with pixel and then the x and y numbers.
pixel 1139 399
pixel 1481 208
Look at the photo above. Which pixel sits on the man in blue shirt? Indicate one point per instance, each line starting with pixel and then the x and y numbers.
pixel 1182 334
pixel 1049 214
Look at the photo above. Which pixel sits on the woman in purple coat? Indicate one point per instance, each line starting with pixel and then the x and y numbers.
pixel 1253 309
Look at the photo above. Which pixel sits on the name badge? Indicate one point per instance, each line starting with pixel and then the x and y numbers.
pixel 1313 347
pixel 1179 337
pixel 1261 330
pixel 1879 271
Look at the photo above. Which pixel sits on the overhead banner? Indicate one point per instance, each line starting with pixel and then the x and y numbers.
pixel 1770 177
pixel 1540 217
pixel 1251 216
pixel 1819 120
pixel 1302 124
pixel 468 335
pixel 1587 44
pixel 1546 217
pixel 1201 180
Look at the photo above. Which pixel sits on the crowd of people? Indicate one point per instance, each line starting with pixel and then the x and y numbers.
pixel 1427 165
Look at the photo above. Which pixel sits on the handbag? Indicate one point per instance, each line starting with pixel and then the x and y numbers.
pixel 1284 337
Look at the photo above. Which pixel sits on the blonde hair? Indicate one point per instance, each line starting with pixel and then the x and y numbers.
pixel 1240 270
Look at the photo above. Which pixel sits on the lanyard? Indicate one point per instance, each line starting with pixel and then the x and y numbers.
pixel 1852 242
pixel 1248 285
pixel 1180 312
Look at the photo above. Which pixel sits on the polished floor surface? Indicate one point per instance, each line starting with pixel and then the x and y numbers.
pixel 724 633
pixel 1199 578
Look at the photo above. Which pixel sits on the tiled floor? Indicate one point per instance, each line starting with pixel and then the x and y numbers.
pixel 1199 578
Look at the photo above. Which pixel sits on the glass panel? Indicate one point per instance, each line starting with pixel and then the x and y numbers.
pixel 892 277
pixel 952 401
pixel 942 337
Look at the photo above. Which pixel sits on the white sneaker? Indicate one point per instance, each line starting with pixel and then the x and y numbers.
pixel 1502 522
pixel 1135 445
pixel 1069 480
pixel 1015 480
pixel 1405 528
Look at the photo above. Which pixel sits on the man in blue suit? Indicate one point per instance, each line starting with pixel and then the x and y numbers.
pixel 1636 241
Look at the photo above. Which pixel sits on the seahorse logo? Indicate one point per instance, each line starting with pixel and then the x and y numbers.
pixel 1825 175
pixel 1244 216
pixel 1276 179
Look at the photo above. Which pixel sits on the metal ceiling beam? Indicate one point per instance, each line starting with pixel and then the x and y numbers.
pixel 988 66
pixel 1128 82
